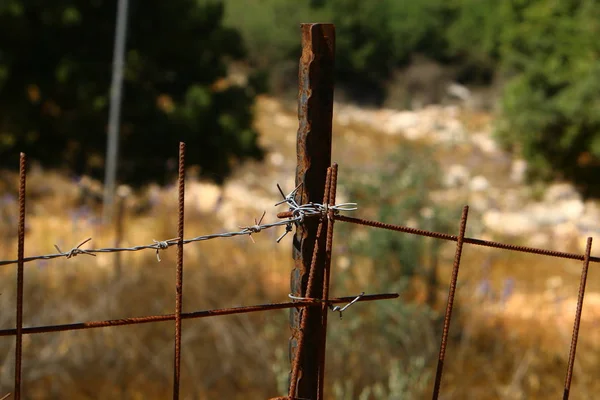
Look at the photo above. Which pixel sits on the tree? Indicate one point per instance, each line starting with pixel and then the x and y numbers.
pixel 55 70
pixel 550 107
pixel 376 37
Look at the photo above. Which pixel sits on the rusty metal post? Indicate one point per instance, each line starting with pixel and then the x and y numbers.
pixel 315 111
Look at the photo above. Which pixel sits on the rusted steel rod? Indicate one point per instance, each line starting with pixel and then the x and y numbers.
pixel 310 292
pixel 20 277
pixel 577 322
pixel 194 315
pixel 327 278
pixel 315 112
pixel 453 238
pixel 450 304
pixel 179 273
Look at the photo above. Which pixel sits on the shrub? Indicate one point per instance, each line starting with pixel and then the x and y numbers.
pixel 397 193
pixel 550 106
pixel 374 38
pixel 474 38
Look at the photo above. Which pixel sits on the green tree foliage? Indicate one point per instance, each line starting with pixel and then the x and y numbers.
pixel 55 73
pixel 474 38
pixel 375 37
pixel 550 107
pixel 271 32
pixel 271 28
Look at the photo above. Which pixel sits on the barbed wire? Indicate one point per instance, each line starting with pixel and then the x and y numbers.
pixel 299 213
pixel 329 304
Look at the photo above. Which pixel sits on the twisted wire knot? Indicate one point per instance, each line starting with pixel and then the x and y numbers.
pixel 75 250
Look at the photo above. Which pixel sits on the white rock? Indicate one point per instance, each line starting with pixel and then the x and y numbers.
pixel 556 213
pixel 565 235
pixel 459 91
pixel 560 191
pixel 400 122
pixel 451 131
pixel 591 213
pixel 284 121
pixel 509 223
pixel 276 159
pixel 414 133
pixel 512 199
pixel 518 171
pixel 480 201
pixel 479 183
pixel 485 143
pixel 539 239
pixel 202 195
pixel 571 209
pixel 343 262
pixel 543 215
pixel 457 175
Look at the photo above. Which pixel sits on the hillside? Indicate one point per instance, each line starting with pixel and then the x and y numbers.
pixel 515 311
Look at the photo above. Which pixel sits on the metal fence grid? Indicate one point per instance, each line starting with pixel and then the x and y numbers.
pixel 314 222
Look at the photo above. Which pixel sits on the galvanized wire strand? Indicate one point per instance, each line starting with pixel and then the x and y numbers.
pixel 157 245
pixel 299 213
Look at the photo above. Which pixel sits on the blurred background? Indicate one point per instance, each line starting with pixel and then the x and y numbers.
pixel 438 104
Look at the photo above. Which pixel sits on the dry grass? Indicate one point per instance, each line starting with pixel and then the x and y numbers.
pixel 505 344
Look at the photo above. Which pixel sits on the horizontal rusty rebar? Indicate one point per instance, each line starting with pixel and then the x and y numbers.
pixel 193 315
pixel 454 238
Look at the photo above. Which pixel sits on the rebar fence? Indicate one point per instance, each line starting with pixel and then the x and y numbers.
pixel 312 213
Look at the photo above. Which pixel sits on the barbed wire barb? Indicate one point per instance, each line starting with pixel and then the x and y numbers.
pixel 342 309
pixel 75 250
pixel 163 245
pixel 256 228
pixel 329 304
pixel 296 216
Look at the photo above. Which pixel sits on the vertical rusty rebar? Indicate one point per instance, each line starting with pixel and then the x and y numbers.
pixel 179 273
pixel 450 305
pixel 574 337
pixel 20 277
pixel 315 112
pixel 310 293
pixel 326 280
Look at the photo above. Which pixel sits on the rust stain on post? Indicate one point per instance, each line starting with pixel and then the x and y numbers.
pixel 315 111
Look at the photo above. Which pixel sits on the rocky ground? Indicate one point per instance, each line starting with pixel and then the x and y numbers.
pixel 476 170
